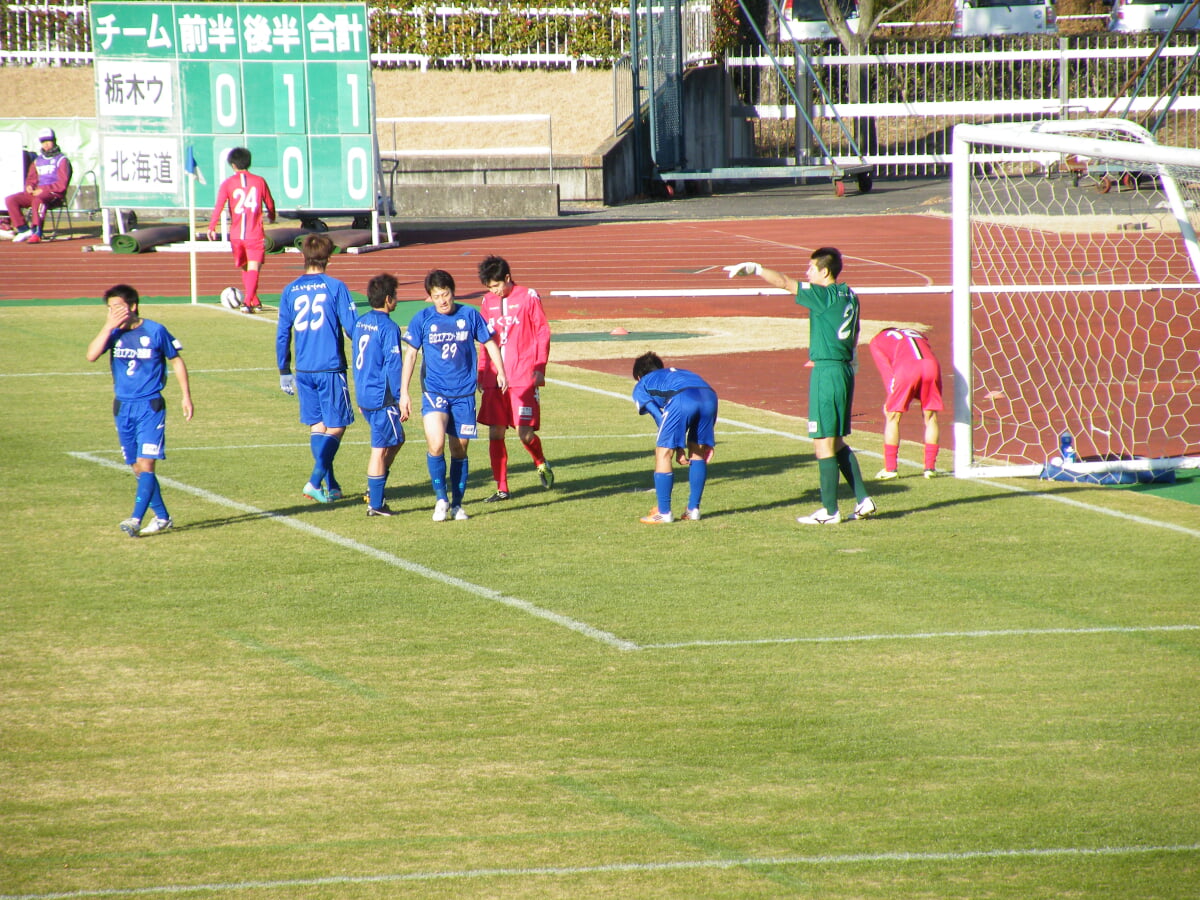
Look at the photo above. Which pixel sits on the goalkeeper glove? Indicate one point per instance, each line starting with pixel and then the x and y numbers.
pixel 287 384
pixel 746 268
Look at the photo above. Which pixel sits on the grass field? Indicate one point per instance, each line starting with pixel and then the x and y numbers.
pixel 989 691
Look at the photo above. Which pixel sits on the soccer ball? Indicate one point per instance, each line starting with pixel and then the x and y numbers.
pixel 231 297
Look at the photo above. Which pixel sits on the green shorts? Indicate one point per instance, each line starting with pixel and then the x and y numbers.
pixel 830 399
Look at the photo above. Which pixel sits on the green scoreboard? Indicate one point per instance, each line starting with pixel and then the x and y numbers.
pixel 290 81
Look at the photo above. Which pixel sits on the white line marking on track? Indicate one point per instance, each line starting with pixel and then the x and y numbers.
pixel 1033 853
pixel 525 606
pixel 628 293
pixel 926 636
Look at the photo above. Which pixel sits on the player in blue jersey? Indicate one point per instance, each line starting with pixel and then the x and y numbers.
pixel 317 310
pixel 833 317
pixel 445 335
pixel 684 407
pixel 139 351
pixel 378 362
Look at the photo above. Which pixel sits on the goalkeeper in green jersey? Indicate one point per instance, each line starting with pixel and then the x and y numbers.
pixel 833 343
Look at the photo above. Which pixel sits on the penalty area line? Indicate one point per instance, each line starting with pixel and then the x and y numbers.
pixel 924 636
pixel 390 559
pixel 750 862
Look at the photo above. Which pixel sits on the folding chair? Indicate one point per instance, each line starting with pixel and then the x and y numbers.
pixel 82 198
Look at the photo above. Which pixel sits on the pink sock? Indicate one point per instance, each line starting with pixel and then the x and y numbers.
pixel 891 456
pixel 498 452
pixel 931 452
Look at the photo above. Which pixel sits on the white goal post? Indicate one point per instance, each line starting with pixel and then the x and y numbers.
pixel 1076 278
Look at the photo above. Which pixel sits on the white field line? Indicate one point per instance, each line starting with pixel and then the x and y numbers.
pixel 829 861
pixel 926 636
pixel 485 593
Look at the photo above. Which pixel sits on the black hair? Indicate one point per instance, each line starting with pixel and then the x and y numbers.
pixel 126 292
pixel 645 364
pixel 494 268
pixel 438 278
pixel 828 259
pixel 239 158
pixel 380 288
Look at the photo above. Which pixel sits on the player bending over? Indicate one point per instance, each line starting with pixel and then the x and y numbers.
pixel 684 407
pixel 910 372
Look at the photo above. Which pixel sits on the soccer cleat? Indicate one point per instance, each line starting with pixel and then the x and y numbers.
pixel 886 474
pixel 384 510
pixel 131 527
pixel 316 493
pixel 158 525
pixel 820 517
pixel 440 509
pixel 498 496
pixel 334 494
pixel 654 517
pixel 250 310
pixel 458 514
pixel 23 236
pixel 34 238
pixel 863 510
pixel 692 515
pixel 932 473
pixel 546 474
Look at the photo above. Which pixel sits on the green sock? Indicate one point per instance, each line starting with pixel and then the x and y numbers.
pixel 828 469
pixel 848 463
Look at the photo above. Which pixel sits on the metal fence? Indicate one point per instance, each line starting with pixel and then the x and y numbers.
pixel 901 103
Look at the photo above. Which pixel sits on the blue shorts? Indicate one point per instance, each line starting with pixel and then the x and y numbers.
pixel 386 430
pixel 461 411
pixel 141 428
pixel 690 417
pixel 324 398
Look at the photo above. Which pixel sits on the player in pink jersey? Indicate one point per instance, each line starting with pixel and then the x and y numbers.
pixel 516 316
pixel 910 372
pixel 248 197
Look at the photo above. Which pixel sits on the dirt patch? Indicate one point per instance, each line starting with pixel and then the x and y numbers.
pixel 580 103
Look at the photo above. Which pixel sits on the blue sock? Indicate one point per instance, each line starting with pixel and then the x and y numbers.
pixel 375 484
pixel 697 476
pixel 147 484
pixel 663 482
pixel 329 450
pixel 458 480
pixel 437 474
pixel 316 441
pixel 156 501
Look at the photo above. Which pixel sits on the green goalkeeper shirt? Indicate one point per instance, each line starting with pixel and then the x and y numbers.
pixel 833 321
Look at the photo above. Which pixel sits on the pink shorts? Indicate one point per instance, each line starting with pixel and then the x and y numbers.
pixel 920 380
pixel 512 408
pixel 247 251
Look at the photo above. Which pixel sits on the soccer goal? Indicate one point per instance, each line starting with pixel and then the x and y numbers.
pixel 1076 275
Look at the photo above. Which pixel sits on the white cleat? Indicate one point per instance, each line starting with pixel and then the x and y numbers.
pixel 440 509
pixel 820 517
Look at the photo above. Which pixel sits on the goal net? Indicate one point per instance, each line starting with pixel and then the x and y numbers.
pixel 1076 274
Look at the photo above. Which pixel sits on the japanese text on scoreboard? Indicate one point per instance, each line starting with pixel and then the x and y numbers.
pixel 290 81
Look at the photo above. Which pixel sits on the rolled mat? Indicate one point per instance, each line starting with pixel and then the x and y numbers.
pixel 279 239
pixel 142 239
pixel 350 237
